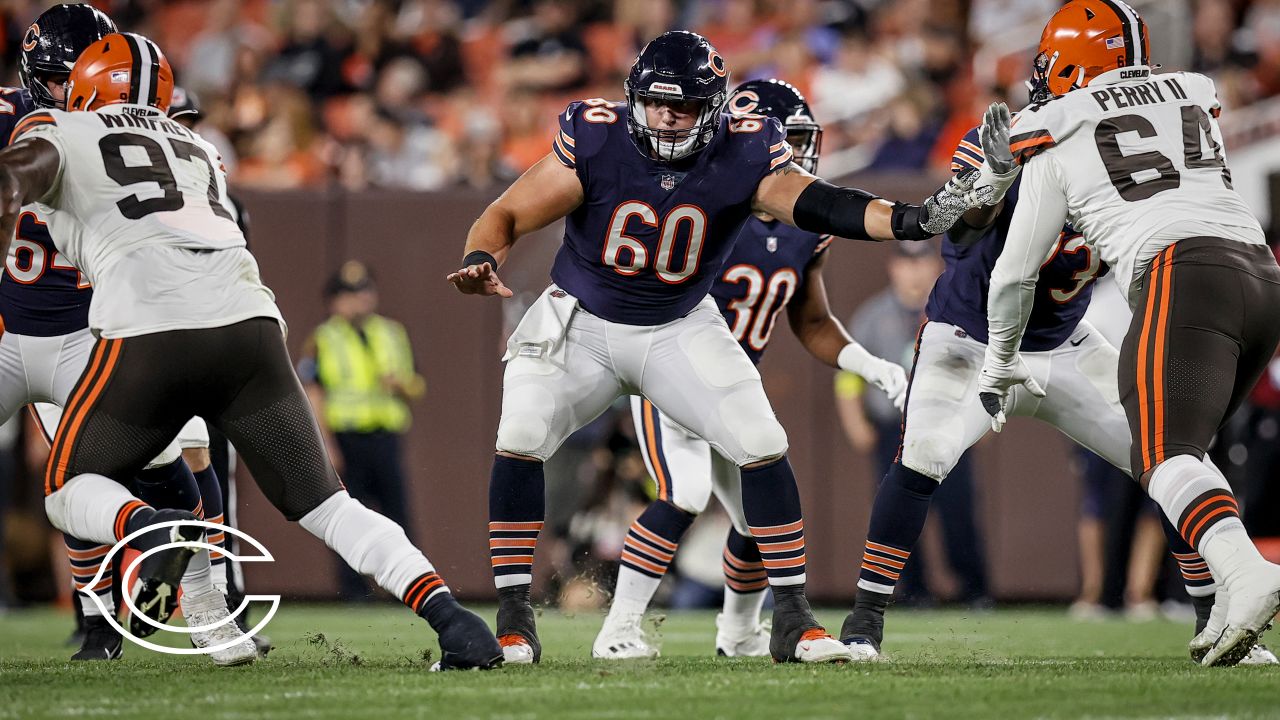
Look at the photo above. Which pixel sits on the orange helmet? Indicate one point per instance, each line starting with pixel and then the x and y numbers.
pixel 1084 39
pixel 120 68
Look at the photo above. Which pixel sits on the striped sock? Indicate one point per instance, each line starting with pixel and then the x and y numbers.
pixel 897 519
pixel 421 589
pixel 213 511
pixel 647 552
pixel 771 502
pixel 1195 571
pixel 516 510
pixel 743 567
pixel 86 558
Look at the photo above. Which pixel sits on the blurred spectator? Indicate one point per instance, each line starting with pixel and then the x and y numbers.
pixel 308 59
pixel 549 52
pixel 887 325
pixel 359 373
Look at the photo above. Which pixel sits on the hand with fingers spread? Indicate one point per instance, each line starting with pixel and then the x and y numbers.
pixel 999 168
pixel 479 276
pixel 942 209
pixel 995 383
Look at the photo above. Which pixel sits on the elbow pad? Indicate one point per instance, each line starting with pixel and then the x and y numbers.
pixel 832 210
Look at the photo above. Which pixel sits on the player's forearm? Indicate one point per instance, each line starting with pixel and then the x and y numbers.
pixel 824 338
pixel 493 233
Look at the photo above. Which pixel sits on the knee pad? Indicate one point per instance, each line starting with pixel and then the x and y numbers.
pixel 763 439
pixel 932 455
pixel 525 425
pixel 749 420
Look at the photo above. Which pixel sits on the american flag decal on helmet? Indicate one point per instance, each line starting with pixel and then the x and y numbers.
pixel 1115 43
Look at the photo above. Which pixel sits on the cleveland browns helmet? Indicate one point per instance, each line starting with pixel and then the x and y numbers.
pixel 783 102
pixel 1085 39
pixel 677 66
pixel 52 44
pixel 120 68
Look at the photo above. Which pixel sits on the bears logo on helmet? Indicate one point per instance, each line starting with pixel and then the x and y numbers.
pixel 676 66
pixel 783 102
pixel 52 44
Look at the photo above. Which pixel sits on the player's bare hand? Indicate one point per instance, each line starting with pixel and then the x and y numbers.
pixel 997 381
pixel 994 135
pixel 479 279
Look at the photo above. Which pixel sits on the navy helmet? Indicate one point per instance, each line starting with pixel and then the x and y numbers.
pixel 681 68
pixel 783 102
pixel 52 44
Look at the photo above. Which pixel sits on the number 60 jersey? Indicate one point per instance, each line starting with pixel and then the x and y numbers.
pixel 133 184
pixel 1135 162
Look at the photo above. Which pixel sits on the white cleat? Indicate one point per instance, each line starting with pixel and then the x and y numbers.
pixel 816 646
pixel 863 650
pixel 1254 602
pixel 622 640
pixel 1260 655
pixel 1206 638
pixel 516 650
pixel 211 609
pixel 737 641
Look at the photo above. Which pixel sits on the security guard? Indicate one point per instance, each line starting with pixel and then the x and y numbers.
pixel 359 373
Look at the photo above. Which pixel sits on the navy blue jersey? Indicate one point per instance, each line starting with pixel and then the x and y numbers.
pixel 765 270
pixel 649 238
pixel 41 293
pixel 1063 291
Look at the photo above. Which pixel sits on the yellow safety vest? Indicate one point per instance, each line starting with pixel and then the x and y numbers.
pixel 350 369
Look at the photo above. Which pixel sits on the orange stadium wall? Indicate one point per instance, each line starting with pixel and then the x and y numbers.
pixel 1028 494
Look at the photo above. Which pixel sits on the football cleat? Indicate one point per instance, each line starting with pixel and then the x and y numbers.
pixel 622 640
pixel 736 641
pixel 796 635
pixel 466 643
pixel 210 609
pixel 1205 639
pixel 1254 602
pixel 101 641
pixel 863 649
pixel 1260 655
pixel 517 629
pixel 156 593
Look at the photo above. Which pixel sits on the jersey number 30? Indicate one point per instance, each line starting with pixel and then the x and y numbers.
pixel 155 170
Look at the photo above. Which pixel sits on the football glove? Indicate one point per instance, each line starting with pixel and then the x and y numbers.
pixel 888 376
pixel 995 383
pixel 998 167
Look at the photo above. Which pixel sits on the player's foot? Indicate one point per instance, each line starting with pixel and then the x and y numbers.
pixel 517 630
pixel 1212 630
pixel 623 639
pixel 210 609
pixel 796 635
pixel 465 640
pixel 1260 655
pixel 101 641
pixel 262 642
pixel 733 640
pixel 863 648
pixel 156 592
pixel 1255 599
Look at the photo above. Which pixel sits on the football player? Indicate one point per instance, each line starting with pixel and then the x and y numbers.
pixel 1134 160
pixel 654 190
pixel 772 267
pixel 185 327
pixel 44 301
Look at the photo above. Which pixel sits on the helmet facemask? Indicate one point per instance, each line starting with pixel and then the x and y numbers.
pixel 668 144
pixel 805 137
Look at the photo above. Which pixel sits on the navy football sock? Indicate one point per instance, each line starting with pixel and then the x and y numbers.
pixel 743 566
pixel 652 539
pixel 1195 571
pixel 86 559
pixel 897 519
pixel 169 486
pixel 516 509
pixel 771 502
pixel 214 512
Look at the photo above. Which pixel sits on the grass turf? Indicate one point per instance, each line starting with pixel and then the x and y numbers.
pixel 356 662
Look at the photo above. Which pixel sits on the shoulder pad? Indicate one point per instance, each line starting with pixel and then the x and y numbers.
pixel 31 122
pixel 584 125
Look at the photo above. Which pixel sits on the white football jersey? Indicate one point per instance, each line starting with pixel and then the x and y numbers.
pixel 1138 159
pixel 140 207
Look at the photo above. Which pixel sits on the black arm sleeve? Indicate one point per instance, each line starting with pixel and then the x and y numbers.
pixel 832 210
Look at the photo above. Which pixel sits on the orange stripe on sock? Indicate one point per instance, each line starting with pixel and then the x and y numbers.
pixel 772 530
pixel 784 563
pixel 653 537
pixel 530 543
pixel 889 550
pixel 501 560
pixel 882 571
pixel 515 526
pixel 630 557
pixel 1207 502
pixel 781 546
pixel 1195 532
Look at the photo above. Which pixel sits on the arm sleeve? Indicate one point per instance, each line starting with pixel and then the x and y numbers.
pixel 1033 233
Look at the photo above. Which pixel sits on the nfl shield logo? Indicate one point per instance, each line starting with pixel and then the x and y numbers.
pixel 772 244
pixel 668 182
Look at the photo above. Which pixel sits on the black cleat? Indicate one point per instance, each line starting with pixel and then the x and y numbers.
pixel 517 629
pixel 159 576
pixel 101 641
pixel 796 635
pixel 465 640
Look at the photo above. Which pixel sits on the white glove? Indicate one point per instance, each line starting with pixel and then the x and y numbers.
pixel 998 167
pixel 995 382
pixel 888 376
pixel 944 207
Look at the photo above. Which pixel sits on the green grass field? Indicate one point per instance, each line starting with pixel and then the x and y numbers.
pixel 339 662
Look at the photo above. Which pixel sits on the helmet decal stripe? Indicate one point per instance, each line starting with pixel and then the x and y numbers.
pixel 1130 22
pixel 136 95
pixel 153 64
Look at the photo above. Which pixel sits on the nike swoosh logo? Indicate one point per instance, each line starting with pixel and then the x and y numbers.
pixel 1077 343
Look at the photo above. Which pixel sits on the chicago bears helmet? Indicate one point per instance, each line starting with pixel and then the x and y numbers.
pixel 52 44
pixel 676 67
pixel 781 101
pixel 1085 39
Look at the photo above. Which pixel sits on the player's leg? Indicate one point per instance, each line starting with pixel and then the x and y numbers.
pixel 256 400
pixel 941 420
pixel 1198 342
pixel 551 387
pixel 739 630
pixel 680 464
pixel 694 371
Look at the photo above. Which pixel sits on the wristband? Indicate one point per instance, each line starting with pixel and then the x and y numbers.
pixel 907 222
pixel 479 257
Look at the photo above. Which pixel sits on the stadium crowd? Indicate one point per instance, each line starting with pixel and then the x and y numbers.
pixel 427 94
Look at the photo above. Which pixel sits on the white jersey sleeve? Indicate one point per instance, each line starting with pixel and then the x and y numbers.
pixel 140 207
pixel 1141 165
